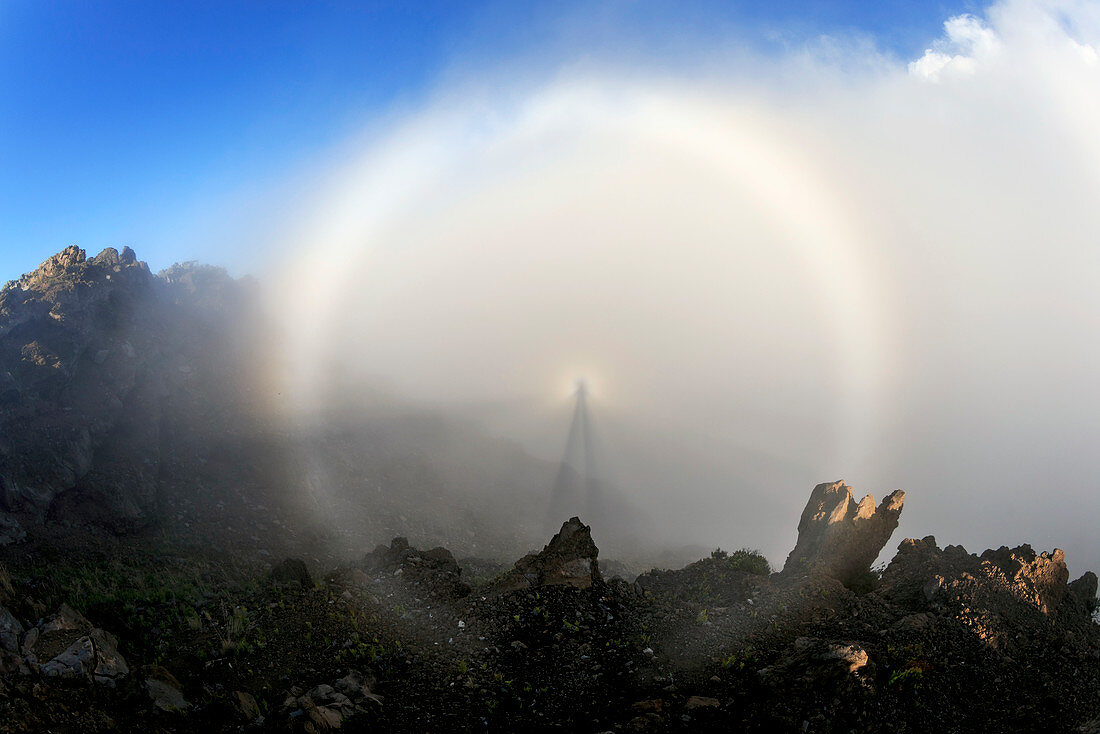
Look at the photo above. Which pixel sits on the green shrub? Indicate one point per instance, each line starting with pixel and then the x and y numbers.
pixel 907 678
pixel 749 561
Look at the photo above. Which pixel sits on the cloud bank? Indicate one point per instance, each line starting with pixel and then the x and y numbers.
pixel 774 272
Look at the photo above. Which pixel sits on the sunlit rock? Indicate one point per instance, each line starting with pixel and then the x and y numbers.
pixel 994 596
pixel 838 536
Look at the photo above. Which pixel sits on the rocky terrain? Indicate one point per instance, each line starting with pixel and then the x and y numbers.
pixel 163 567
pixel 405 640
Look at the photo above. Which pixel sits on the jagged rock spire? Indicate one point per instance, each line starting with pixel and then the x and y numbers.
pixel 842 538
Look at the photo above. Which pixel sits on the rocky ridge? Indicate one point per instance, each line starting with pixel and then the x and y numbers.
pixel 945 641
pixel 105 374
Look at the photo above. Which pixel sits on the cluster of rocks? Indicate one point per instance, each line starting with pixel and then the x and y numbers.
pixel 998 595
pixel 326 707
pixel 795 650
pixel 64 645
pixel 840 538
pixel 436 569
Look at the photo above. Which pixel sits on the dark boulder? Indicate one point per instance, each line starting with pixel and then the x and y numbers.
pixel 1081 594
pixel 569 559
pixel 292 572
pixel 164 691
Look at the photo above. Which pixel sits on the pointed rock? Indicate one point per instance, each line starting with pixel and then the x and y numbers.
pixel 1082 592
pixel 569 559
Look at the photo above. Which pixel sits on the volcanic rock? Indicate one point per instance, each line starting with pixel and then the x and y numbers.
pixel 1037 579
pixel 11 631
pixel 842 538
pixel 245 704
pixel 93 401
pixel 73 648
pixel 1003 596
pixel 1082 593
pixel 727 579
pixel 436 569
pixel 823 665
pixel 324 707
pixel 164 690
pixel 568 560
pixel 94 656
pixel 65 619
pixel 60 400
pixel 292 572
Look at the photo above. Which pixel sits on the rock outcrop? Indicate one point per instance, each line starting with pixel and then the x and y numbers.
pixel 436 569
pixel 842 538
pixel 995 595
pixel 728 578
pixel 1081 594
pixel 569 559
pixel 66 645
pixel 69 367
pixel 1039 580
pixel 106 373
pixel 324 707
pixel 844 667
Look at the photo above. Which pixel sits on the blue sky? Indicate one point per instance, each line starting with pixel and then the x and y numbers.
pixel 152 124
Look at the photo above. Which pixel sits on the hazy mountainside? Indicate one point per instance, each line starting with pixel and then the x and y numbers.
pixel 131 400
pixel 111 375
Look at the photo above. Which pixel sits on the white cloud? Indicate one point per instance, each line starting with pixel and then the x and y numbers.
pixel 816 259
pixel 966 42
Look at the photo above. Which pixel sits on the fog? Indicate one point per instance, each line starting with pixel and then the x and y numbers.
pixel 770 272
